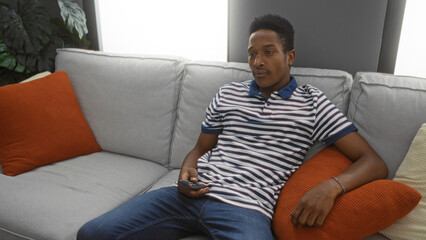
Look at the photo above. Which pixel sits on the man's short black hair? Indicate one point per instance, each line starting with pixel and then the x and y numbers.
pixel 278 24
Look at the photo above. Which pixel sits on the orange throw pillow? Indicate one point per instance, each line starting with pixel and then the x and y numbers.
pixel 355 215
pixel 41 123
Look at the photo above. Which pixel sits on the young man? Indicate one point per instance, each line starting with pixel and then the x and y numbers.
pixel 255 135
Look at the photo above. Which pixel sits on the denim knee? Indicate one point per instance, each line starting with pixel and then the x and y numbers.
pixel 91 231
pixel 84 233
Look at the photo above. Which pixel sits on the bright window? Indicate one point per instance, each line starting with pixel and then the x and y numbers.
pixel 194 29
pixel 411 58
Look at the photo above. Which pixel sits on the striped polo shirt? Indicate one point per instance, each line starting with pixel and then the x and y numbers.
pixel 262 141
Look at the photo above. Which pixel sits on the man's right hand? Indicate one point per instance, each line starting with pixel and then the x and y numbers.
pixel 189 171
pixel 191 174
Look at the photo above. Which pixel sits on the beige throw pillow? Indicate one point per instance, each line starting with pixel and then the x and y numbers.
pixel 413 173
pixel 37 76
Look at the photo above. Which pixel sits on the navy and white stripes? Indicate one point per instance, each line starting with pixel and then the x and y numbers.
pixel 263 141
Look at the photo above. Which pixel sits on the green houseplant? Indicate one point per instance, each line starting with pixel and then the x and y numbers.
pixel 29 37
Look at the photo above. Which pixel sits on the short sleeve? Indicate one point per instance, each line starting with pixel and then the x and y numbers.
pixel 330 123
pixel 213 123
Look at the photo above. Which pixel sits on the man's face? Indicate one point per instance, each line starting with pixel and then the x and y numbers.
pixel 269 64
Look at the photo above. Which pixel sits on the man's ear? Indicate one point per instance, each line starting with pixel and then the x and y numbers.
pixel 291 56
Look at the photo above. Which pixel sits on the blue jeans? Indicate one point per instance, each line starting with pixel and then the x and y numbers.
pixel 167 214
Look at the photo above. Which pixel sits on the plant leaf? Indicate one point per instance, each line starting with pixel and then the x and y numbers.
pixel 71 40
pixel 4 4
pixel 7 60
pixel 73 16
pixel 44 60
pixel 27 30
pixel 8 77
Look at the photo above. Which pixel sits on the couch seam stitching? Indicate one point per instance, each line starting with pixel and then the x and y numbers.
pixel 15 234
pixel 179 100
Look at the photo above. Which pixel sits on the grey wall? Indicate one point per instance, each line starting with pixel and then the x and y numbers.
pixel 336 34
pixel 391 35
pixel 351 35
pixel 90 9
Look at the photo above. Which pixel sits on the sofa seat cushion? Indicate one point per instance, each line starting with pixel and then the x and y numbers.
pixel 167 180
pixel 53 202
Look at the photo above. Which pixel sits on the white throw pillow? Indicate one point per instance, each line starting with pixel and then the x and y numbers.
pixel 413 173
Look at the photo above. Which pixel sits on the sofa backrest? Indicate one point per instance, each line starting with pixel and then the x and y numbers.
pixel 202 80
pixel 151 107
pixel 388 111
pixel 200 83
pixel 128 101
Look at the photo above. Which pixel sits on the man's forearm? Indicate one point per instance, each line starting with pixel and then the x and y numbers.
pixel 204 144
pixel 192 158
pixel 189 170
pixel 367 166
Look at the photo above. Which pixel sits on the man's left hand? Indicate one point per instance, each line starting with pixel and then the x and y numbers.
pixel 316 204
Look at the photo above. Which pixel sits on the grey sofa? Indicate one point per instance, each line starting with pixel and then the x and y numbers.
pixel 145 112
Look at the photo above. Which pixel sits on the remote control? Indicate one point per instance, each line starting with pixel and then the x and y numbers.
pixel 190 185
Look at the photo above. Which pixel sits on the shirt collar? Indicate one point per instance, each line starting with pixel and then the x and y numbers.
pixel 284 92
